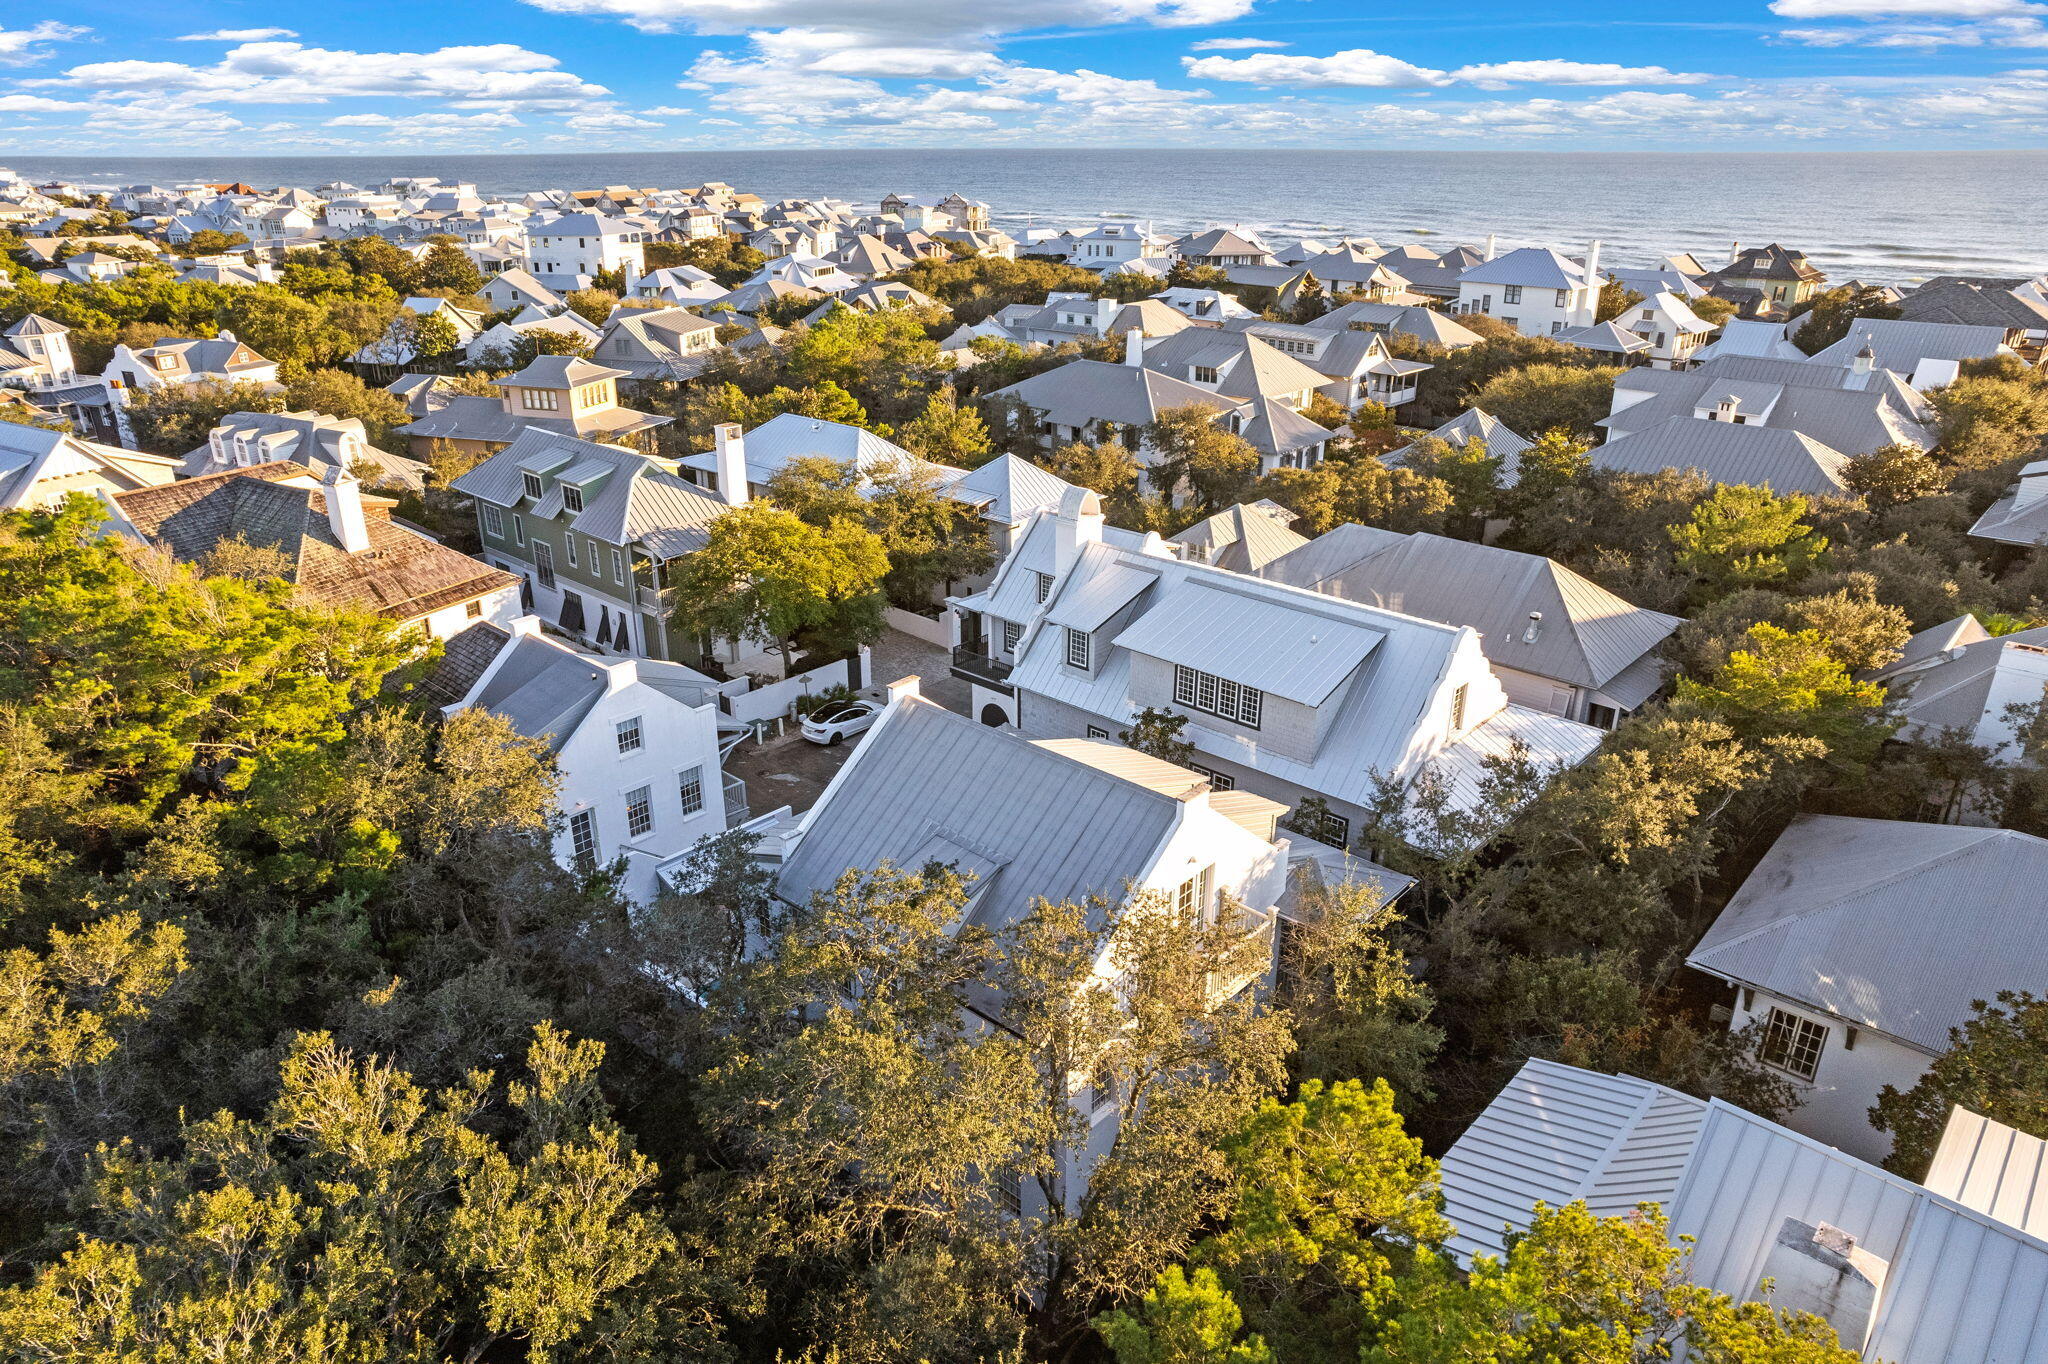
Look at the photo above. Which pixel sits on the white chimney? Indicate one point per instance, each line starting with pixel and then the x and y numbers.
pixel 1134 347
pixel 1593 263
pixel 1078 525
pixel 1734 252
pixel 732 462
pixel 1865 361
pixel 1492 243
pixel 903 687
pixel 345 509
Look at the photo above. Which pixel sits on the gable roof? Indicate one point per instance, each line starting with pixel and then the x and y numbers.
pixel 1084 391
pixel 1241 538
pixel 39 465
pixel 2012 521
pixel 1009 489
pixel 1836 917
pixel 1971 685
pixel 1246 366
pixel 1762 456
pixel 1535 266
pixel 1846 411
pixel 1973 303
pixel 1960 1286
pixel 1472 424
pixel 1587 635
pixel 402 576
pixel 1901 345
pixel 643 501
pixel 1030 821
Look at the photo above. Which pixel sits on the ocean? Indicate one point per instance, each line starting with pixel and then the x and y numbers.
pixel 1888 217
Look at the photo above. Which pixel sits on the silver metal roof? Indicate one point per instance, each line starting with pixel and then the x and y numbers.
pixel 1888 924
pixel 1287 649
pixel 1088 606
pixel 1760 456
pixel 1998 1170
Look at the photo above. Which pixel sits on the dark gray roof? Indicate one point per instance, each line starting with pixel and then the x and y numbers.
pixel 928 784
pixel 544 690
pixel 1761 456
pixel 1972 304
pixel 464 657
pixel 1587 635
pixel 1836 916
pixel 1084 391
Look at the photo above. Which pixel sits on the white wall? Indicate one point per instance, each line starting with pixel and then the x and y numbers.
pixel 596 776
pixel 766 703
pixel 1834 1107
pixel 500 608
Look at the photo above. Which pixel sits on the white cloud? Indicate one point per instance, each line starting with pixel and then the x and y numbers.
pixel 1357 66
pixel 283 73
pixel 18 45
pixel 1499 75
pixel 37 104
pixel 851 54
pixel 914 20
pixel 1233 44
pixel 236 35
pixel 1892 9
pixel 664 111
pixel 607 120
pixel 2006 31
pixel 427 122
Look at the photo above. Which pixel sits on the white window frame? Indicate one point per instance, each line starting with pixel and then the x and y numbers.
pixel 690 789
pixel 583 844
pixel 530 484
pixel 629 734
pixel 544 563
pixel 1232 701
pixel 1079 648
pixel 494 520
pixel 639 811
pixel 1013 634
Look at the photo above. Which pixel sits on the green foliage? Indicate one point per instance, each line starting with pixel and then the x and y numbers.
pixel 947 433
pixel 975 288
pixel 1156 732
pixel 1543 397
pixel 174 419
pixel 1192 453
pixel 1361 1010
pixel 1183 1320
pixel 1894 475
pixel 884 359
pixel 1830 313
pixel 360 1219
pixel 1986 421
pixel 1743 535
pixel 930 539
pixel 766 573
pixel 723 258
pixel 592 305
pixel 448 267
pixel 1105 467
pixel 1790 683
pixel 1616 298
pixel 1996 1065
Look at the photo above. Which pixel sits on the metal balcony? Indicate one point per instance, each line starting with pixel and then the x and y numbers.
pixel 971 665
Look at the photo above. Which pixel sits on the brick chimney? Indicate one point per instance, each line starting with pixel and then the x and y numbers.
pixel 344 497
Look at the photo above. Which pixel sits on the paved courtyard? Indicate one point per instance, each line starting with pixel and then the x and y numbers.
pixel 792 771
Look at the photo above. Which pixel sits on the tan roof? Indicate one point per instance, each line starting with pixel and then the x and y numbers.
pixel 402 576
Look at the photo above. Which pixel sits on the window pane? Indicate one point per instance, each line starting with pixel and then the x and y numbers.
pixel 691 785
pixel 629 734
pixel 639 811
pixel 583 838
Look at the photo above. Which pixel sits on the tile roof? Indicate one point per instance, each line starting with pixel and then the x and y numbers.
pixel 1836 917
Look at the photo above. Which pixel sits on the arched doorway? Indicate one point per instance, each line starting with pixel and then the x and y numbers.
pixel 994 716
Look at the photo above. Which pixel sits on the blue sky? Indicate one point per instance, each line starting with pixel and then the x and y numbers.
pixel 284 76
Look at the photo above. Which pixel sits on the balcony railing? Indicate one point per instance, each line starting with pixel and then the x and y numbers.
pixel 972 665
pixel 736 812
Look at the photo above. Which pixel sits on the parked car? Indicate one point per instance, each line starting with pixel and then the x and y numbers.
pixel 834 723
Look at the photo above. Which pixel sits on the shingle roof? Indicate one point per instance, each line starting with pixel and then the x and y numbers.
pixel 1587 634
pixel 1836 917
pixel 1971 304
pixel 463 659
pixel 402 576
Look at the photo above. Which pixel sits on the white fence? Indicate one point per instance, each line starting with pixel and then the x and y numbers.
pixel 766 703
pixel 932 630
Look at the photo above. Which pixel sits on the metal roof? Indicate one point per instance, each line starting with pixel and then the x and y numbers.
pixel 1837 917
pixel 1762 456
pixel 1998 1170
pixel 1090 604
pixel 1243 538
pixel 1052 826
pixel 1961 1286
pixel 1288 649
pixel 2012 522
pixel 1900 345
pixel 1535 266
pixel 1586 636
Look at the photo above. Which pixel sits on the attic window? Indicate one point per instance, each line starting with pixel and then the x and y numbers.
pixel 572 497
pixel 531 483
pixel 1205 374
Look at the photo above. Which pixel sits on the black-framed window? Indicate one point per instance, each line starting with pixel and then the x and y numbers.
pixel 544 563
pixel 1218 696
pixel 1793 1044
pixel 1077 648
pixel 572 497
pixel 531 484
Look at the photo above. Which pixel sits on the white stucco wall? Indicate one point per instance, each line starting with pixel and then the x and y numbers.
pixel 1835 1105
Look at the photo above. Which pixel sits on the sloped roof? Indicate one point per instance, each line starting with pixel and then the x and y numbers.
pixel 401 576
pixel 1901 345
pixel 1248 367
pixel 1762 456
pixel 1751 337
pixel 1286 648
pixel 642 502
pixel 1243 539
pixel 1426 324
pixel 1084 391
pixel 1836 917
pixel 1009 489
pixel 464 656
pixel 1032 821
pixel 1500 441
pixel 1606 337
pixel 2012 522
pixel 1972 686
pixel 560 371
pixel 1587 634
pixel 1961 1287
pixel 1535 266
pixel 770 446
pixel 1969 303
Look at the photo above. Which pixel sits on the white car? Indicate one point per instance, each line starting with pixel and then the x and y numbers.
pixel 834 723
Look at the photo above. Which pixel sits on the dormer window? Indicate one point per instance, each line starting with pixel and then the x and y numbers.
pixel 540 399
pixel 1077 649
pixel 572 497
pixel 1205 374
pixel 530 483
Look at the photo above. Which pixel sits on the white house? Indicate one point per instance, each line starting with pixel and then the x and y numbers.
pixel 1952 1271
pixel 518 288
pixel 1959 678
pixel 1534 290
pixel 1286 692
pixel 40 468
pixel 1110 245
pixel 1049 818
pixel 637 743
pixel 569 251
pixel 314 439
pixel 1674 332
pixel 496 345
pixel 2020 516
pixel 1858 944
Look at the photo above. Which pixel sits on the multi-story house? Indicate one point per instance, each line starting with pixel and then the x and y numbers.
pixel 570 251
pixel 1286 692
pixel 1764 281
pixel 40 467
pixel 1221 248
pixel 1050 818
pixel 320 442
pixel 1534 290
pixel 1356 364
pixel 1558 642
pixel 637 744
pixel 1858 944
pixel 559 394
pixel 1111 245
pixel 341 548
pixel 35 357
pixel 593 529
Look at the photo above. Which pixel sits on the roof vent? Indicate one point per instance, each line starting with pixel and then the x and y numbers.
pixel 1535 627
pixel 1820 1269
